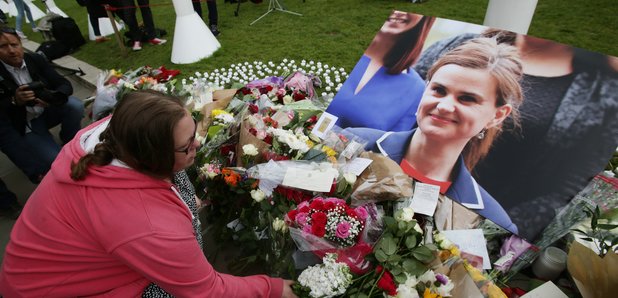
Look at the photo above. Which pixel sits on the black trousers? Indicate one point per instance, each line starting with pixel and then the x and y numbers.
pixel 213 15
pixel 129 17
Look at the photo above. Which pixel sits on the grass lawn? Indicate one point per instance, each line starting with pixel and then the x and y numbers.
pixel 337 32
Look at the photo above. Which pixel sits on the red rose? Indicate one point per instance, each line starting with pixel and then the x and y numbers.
pixel 386 282
pixel 245 90
pixel 351 212
pixel 317 205
pixel 292 214
pixel 329 205
pixel 253 131
pixel 313 119
pixel 253 108
pixel 318 229
pixel 268 140
pixel 298 96
pixel 318 218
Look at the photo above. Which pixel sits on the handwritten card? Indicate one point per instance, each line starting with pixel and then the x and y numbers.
pixel 471 241
pixel 356 166
pixel 324 125
pixel 425 198
pixel 314 180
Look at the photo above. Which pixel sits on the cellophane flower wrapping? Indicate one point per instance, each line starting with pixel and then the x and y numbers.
pixel 329 225
pixel 383 180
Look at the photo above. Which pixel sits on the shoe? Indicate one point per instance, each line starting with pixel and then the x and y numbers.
pixel 215 30
pixel 21 35
pixel 101 39
pixel 157 41
pixel 36 29
pixel 137 46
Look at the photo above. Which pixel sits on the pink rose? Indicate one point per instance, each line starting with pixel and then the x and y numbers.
pixel 307 229
pixel 335 201
pixel 301 219
pixel 343 229
pixel 362 213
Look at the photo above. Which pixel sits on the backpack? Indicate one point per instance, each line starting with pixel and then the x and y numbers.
pixel 53 49
pixel 66 31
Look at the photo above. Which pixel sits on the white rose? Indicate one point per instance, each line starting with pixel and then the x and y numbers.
pixel 428 277
pixel 250 150
pixel 349 178
pixel 258 195
pixel 407 214
pixel 288 99
pixel 417 228
pixel 279 225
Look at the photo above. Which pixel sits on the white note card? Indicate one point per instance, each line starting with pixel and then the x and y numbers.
pixel 471 241
pixel 324 125
pixel 356 166
pixel 425 198
pixel 546 290
pixel 314 180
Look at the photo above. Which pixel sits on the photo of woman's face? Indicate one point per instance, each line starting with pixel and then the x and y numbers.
pixel 399 22
pixel 457 103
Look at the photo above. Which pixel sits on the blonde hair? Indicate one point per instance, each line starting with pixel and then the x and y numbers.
pixel 502 62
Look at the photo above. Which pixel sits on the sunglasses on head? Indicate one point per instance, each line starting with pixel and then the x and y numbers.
pixel 8 30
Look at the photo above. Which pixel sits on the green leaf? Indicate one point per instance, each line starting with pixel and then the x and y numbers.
pixel 411 241
pixel 414 267
pixel 389 246
pixel 607 226
pixel 396 270
pixel 380 256
pixel 394 258
pixel 390 222
pixel 400 278
pixel 580 231
pixel 423 254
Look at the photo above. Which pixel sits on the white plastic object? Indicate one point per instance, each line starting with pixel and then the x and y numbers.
pixel 512 15
pixel 550 263
pixel 193 40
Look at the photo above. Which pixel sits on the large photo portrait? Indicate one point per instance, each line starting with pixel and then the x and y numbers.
pixel 510 126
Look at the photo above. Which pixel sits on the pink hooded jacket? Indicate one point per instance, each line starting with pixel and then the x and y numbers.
pixel 110 235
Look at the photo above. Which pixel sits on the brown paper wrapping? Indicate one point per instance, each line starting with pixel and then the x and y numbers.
pixel 221 99
pixel 383 180
pixel 247 138
pixel 593 275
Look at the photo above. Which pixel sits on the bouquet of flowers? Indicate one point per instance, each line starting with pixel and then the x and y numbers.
pixel 328 279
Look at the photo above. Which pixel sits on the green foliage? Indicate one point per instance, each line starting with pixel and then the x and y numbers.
pixel 600 233
pixel 335 32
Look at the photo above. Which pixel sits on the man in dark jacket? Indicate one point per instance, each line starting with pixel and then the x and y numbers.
pixel 33 99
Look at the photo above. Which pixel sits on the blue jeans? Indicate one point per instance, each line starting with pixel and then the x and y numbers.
pixel 21 8
pixel 41 141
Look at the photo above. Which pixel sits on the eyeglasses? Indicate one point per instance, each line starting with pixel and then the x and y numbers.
pixel 191 141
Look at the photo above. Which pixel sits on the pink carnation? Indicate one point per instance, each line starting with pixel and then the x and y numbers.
pixel 362 213
pixel 301 219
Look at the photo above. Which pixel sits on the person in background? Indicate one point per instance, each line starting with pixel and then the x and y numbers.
pixel 382 92
pixel 213 15
pixel 33 99
pixel 470 91
pixel 95 11
pixel 568 132
pixel 127 14
pixel 22 8
pixel 107 219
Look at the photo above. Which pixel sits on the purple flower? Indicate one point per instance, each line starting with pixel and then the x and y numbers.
pixel 343 229
pixel 276 81
pixel 442 278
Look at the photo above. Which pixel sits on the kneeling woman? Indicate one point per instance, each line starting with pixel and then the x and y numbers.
pixel 470 91
pixel 107 220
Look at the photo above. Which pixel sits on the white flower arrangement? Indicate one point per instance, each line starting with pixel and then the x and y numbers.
pixel 258 195
pixel 279 225
pixel 294 141
pixel 328 279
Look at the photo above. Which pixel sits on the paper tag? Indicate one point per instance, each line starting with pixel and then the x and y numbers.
pixel 471 241
pixel 324 125
pixel 425 198
pixel 313 180
pixel 505 258
pixel 235 225
pixel 356 166
pixel 349 150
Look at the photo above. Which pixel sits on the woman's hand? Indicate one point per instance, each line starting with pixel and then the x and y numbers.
pixel 287 289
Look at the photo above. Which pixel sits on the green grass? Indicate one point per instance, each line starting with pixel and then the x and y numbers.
pixel 338 31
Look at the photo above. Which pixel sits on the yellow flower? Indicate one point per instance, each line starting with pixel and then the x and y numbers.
pixel 474 273
pixel 329 151
pixel 217 112
pixel 310 144
pixel 429 294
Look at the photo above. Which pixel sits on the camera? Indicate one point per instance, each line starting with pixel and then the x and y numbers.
pixel 51 97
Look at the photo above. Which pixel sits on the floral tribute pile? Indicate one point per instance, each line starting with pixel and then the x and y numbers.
pixel 332 240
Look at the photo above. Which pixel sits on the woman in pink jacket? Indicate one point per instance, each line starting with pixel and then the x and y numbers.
pixel 107 220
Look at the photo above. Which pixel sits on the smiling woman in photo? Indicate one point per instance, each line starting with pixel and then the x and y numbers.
pixel 470 92
pixel 382 92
